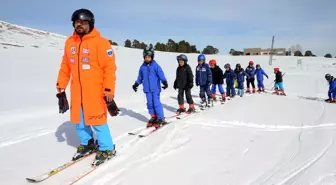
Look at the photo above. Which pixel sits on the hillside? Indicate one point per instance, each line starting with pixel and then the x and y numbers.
pixel 253 140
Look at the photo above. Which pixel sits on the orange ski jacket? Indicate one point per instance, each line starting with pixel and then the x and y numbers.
pixel 90 62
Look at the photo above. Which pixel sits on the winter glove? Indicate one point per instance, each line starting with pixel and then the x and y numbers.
pixel 135 87
pixel 165 85
pixel 191 85
pixel 175 85
pixel 267 76
pixel 112 107
pixel 62 102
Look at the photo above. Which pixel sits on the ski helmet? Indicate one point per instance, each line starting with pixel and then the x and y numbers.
pixel 83 15
pixel 251 62
pixel 227 65
pixel 182 57
pixel 276 69
pixel 212 62
pixel 201 57
pixel 148 51
pixel 328 77
pixel 238 65
pixel 258 65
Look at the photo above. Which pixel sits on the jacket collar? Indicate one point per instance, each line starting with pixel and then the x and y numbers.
pixel 94 33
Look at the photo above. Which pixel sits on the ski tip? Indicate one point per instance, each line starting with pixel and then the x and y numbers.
pixel 130 133
pixel 32 180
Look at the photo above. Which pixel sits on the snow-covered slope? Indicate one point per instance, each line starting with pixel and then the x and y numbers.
pixel 257 139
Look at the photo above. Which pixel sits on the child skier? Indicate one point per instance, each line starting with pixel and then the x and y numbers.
pixel 250 72
pixel 217 80
pixel 230 77
pixel 184 83
pixel 203 79
pixel 150 75
pixel 332 88
pixel 239 76
pixel 278 85
pixel 260 78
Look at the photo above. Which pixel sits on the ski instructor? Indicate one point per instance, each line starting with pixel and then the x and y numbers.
pixel 90 62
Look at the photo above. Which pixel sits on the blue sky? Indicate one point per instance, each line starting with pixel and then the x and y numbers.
pixel 224 24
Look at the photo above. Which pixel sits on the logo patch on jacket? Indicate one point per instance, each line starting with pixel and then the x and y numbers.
pixel 86 66
pixel 72 60
pixel 109 52
pixel 73 50
pixel 85 59
pixel 201 69
pixel 86 50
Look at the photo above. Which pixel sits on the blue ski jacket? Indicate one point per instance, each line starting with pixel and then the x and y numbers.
pixel 250 72
pixel 150 75
pixel 260 74
pixel 203 75
pixel 230 77
pixel 332 88
pixel 240 75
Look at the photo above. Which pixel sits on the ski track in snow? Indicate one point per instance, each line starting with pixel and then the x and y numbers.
pixel 171 143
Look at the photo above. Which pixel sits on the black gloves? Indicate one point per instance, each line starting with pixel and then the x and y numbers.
pixel 175 85
pixel 191 85
pixel 62 102
pixel 135 87
pixel 112 107
pixel 165 85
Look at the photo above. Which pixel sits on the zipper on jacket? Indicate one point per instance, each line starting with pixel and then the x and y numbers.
pixel 80 83
pixel 148 77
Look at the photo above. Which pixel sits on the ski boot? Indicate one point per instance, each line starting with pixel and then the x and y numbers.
pixel 203 103
pixel 329 100
pixel 259 90
pixel 152 121
pixel 191 109
pixel 103 156
pixel 253 91
pixel 180 110
pixel 223 98
pixel 276 91
pixel 83 150
pixel 214 97
pixel 248 90
pixel 262 89
pixel 282 92
pixel 159 123
pixel 210 102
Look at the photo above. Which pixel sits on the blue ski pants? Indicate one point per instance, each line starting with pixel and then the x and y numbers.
pixel 241 85
pixel 220 88
pixel 154 105
pixel 279 86
pixel 204 89
pixel 103 134
pixel 260 83
pixel 240 89
pixel 332 94
pixel 230 90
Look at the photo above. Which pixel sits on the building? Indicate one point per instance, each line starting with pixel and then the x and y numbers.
pixel 260 51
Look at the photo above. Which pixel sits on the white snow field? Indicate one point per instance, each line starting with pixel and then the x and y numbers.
pixel 259 139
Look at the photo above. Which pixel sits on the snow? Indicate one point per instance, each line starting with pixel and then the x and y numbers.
pixel 257 139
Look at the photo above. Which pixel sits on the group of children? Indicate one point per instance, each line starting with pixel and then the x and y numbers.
pixel 208 78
